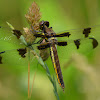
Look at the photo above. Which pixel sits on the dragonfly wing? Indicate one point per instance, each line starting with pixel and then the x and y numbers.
pixel 12 49
pixel 18 57
pixel 44 45
pixel 81 33
pixel 9 35
pixel 81 41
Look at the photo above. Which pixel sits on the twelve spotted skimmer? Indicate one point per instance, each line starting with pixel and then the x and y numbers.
pixel 48 40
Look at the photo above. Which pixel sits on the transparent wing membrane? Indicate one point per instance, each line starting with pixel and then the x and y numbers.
pixel 7 34
pixel 78 33
pixel 17 57
pixel 65 52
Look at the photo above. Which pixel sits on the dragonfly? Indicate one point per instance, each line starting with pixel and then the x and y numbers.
pixel 49 36
pixel 48 39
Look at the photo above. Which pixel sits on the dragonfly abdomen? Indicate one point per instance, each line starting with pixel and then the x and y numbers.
pixel 56 64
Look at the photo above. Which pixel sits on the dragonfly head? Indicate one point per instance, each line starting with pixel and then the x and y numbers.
pixel 42 23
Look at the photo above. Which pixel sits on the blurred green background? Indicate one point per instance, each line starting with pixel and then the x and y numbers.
pixel 82 81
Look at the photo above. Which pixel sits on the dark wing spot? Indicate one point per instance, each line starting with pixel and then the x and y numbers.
pixel 1 57
pixel 2 52
pixel 0 60
pixel 17 33
pixel 44 46
pixel 94 42
pixel 62 43
pixel 77 43
pixel 22 52
pixel 86 32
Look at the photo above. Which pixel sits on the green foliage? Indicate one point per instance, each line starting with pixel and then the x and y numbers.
pixel 62 15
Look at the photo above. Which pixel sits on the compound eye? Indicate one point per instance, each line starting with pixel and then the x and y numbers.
pixel 47 23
